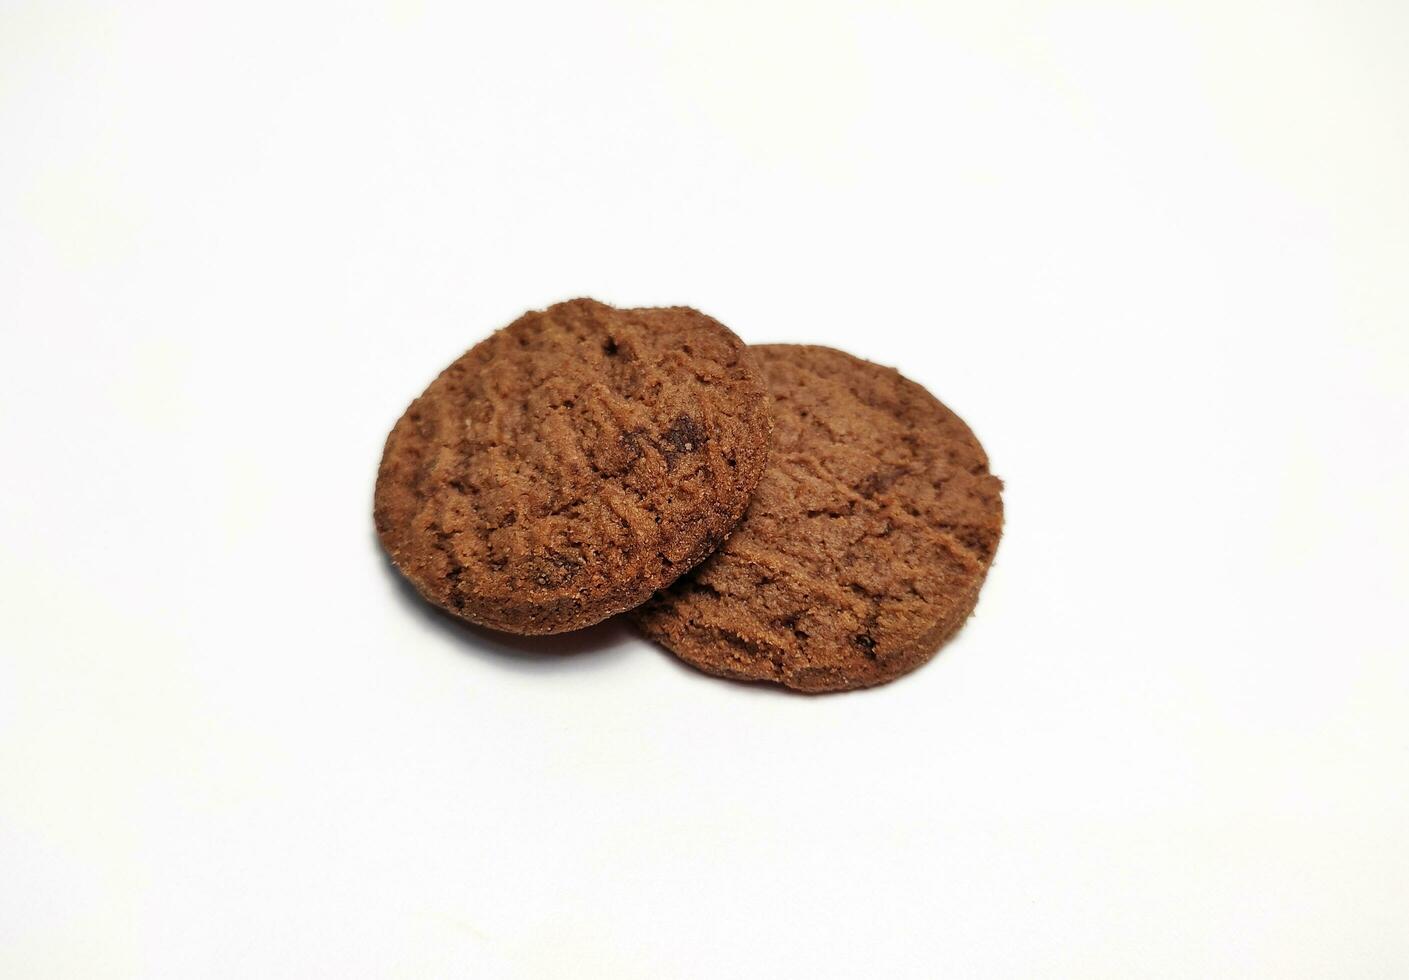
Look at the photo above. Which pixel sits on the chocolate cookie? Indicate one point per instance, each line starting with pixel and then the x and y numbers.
pixel 864 546
pixel 572 463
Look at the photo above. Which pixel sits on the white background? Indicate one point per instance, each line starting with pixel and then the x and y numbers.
pixel 1155 255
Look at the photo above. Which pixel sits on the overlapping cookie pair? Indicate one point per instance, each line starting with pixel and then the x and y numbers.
pixel 776 513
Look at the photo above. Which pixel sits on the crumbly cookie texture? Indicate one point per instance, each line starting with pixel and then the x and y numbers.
pixel 573 463
pixel 864 546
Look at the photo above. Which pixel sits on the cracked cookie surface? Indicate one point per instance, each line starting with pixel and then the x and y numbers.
pixel 572 463
pixel 864 546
